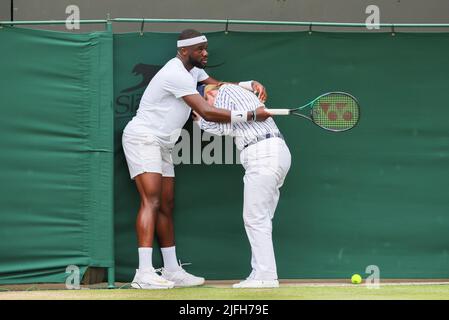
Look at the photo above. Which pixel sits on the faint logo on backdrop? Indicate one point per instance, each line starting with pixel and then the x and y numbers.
pixel 147 72
pixel 128 101
pixel 72 21
pixel 73 280
pixel 373 20
pixel 373 280
pixel 190 148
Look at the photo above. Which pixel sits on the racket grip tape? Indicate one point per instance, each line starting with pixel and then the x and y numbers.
pixel 279 112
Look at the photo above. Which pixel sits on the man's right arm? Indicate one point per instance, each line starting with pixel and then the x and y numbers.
pixel 215 128
pixel 208 113
pixel 182 86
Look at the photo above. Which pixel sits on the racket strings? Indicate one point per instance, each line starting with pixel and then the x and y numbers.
pixel 335 111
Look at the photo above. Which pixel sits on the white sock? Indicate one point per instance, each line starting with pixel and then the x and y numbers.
pixel 169 256
pixel 145 258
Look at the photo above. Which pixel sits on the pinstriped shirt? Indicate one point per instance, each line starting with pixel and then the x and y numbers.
pixel 235 98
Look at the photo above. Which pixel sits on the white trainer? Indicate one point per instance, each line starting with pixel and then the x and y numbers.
pixel 252 283
pixel 149 279
pixel 182 278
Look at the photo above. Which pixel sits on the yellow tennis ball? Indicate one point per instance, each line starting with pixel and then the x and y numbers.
pixel 356 279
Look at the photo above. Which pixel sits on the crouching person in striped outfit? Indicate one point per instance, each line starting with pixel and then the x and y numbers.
pixel 266 159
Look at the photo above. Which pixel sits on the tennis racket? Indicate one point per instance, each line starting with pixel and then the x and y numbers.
pixel 333 111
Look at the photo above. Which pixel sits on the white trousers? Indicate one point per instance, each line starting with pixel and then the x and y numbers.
pixel 266 164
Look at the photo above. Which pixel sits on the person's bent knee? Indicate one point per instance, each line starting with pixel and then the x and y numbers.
pixel 258 225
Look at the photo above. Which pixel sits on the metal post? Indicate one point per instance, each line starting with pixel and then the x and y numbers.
pixel 111 278
pixel 141 27
pixel 12 11
pixel 108 23
pixel 227 27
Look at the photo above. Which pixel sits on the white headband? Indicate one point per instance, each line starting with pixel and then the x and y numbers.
pixel 191 41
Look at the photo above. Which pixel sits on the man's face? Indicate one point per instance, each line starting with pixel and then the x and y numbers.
pixel 210 96
pixel 198 55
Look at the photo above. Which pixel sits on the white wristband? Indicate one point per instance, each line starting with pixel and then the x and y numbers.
pixel 238 116
pixel 248 85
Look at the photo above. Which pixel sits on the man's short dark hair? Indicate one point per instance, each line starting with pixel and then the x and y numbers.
pixel 188 34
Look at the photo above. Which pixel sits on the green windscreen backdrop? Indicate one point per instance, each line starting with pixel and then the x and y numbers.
pixel 56 124
pixel 376 195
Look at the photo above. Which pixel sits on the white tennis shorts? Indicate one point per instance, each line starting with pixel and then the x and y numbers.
pixel 146 154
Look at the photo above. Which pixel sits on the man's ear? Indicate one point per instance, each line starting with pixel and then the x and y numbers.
pixel 183 51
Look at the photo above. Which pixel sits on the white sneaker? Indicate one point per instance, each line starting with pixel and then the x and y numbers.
pixel 149 279
pixel 252 283
pixel 182 278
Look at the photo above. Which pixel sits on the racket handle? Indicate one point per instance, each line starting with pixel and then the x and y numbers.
pixel 279 112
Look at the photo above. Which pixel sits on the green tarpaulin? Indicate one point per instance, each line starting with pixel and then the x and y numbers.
pixel 376 195
pixel 56 154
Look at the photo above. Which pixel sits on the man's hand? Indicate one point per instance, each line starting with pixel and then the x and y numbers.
pixel 195 116
pixel 262 114
pixel 260 91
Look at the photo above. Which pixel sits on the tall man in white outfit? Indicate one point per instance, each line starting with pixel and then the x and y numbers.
pixel 147 142
pixel 266 159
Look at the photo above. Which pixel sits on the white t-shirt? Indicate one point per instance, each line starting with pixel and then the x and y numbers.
pixel 162 112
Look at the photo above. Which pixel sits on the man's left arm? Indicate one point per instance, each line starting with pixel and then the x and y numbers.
pixel 252 85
